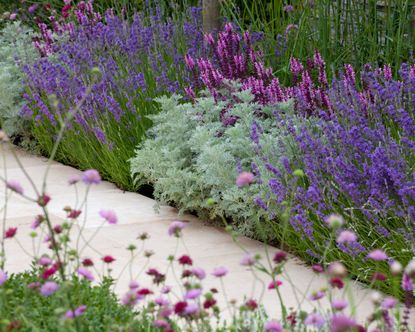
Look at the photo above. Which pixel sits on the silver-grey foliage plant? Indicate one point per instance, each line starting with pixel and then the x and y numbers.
pixel 16 49
pixel 193 160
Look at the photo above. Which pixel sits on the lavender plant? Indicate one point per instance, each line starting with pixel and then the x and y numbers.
pixel 359 163
pixel 138 61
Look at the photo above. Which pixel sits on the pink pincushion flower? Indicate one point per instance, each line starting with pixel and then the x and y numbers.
pixel 192 294
pixel 165 289
pixel 48 288
pixel 339 304
pixel 244 179
pixel 161 323
pixel 191 309
pixel 377 255
pixel 341 323
pixel 220 271
pixel 86 274
pixel 388 303
pixel 133 284
pixel 74 179
pixel 248 260
pixel 3 277
pixel 272 326
pixel 175 228
pixel 76 313
pixel 315 296
pixel 161 301
pixel 109 216
pixel 199 273
pixel 91 176
pixel 346 237
pixel 12 16
pixel 44 261
pixel 15 186
pixel 314 320
pixel 130 299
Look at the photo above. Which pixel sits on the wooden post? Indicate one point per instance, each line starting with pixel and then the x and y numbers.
pixel 211 15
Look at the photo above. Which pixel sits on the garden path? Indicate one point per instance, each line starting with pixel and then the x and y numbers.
pixel 208 246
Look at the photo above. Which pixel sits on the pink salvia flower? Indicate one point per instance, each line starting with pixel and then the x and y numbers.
pixel 109 216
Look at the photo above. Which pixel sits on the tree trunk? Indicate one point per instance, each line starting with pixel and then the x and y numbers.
pixel 211 15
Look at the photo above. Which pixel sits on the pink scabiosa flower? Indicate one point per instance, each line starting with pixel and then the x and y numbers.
pixel 341 323
pixel 74 179
pixel 86 274
pixel 13 16
pixel 192 294
pixel 346 237
pixel 377 255
pixel 274 284
pixel 10 232
pixel 339 304
pixel 75 313
pixel 290 27
pixel 317 295
pixel 314 320
pixel 165 289
pixel 199 273
pixel 245 179
pixel 273 326
pixel 15 186
pixel 3 277
pixel 317 268
pixel 91 176
pixel 161 301
pixel 191 309
pixel 32 8
pixel 130 298
pixel 248 260
pixel 37 221
pixel 388 303
pixel 175 228
pixel 133 285
pixel 220 272
pixel 48 288
pixel 161 324
pixel 44 261
pixel 109 216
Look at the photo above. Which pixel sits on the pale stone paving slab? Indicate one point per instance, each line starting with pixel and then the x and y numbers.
pixel 209 247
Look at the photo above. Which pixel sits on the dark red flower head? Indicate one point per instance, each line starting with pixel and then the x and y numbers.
pixel 279 257
pixel 251 304
pixel 10 232
pixel 185 260
pixel 73 214
pixel 336 282
pixel 43 200
pixel 87 262
pixel 180 307
pixel 108 259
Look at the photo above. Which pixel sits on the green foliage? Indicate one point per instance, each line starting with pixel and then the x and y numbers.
pixel 35 312
pixel 15 49
pixel 193 160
